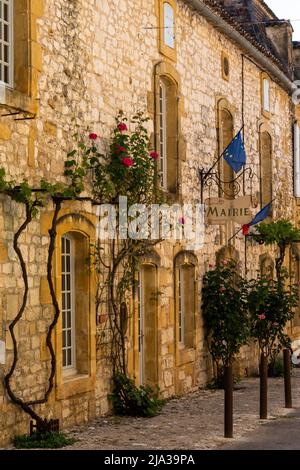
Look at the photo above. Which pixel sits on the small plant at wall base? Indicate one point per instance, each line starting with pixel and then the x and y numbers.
pixel 50 440
pixel 128 399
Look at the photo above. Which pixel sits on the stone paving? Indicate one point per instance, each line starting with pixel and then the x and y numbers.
pixel 193 422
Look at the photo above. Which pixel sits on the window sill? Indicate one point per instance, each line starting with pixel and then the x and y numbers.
pixel 13 98
pixel 74 385
pixel 185 355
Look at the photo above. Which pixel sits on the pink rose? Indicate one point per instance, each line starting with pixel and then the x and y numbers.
pixel 154 155
pixel 262 316
pixel 225 262
pixel 222 289
pixel 93 136
pixel 127 161
pixel 122 127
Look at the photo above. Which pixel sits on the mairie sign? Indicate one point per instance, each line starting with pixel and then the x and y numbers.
pixel 221 210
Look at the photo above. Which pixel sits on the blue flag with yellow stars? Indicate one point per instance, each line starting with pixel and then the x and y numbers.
pixel 235 154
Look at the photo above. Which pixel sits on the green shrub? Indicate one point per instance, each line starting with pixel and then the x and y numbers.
pixel 49 440
pixel 130 400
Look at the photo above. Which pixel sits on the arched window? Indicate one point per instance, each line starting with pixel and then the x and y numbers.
pixel 226 136
pixel 266 168
pixel 74 303
pixel 169 38
pixel 168 134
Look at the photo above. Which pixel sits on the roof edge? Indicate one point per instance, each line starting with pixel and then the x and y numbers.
pixel 267 61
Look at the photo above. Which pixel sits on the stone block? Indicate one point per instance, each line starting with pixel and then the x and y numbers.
pixel 12 306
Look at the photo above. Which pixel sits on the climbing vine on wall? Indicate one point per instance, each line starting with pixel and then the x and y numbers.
pixel 34 199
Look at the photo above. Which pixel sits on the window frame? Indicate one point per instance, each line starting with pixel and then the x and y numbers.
pixel 163 136
pixel 263 201
pixel 266 111
pixel 71 368
pixel 180 308
pixel 163 47
pixel 10 44
pixel 167 9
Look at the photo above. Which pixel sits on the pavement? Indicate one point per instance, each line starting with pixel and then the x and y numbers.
pixel 195 422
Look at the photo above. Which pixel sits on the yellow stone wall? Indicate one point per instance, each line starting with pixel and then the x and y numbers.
pixel 87 61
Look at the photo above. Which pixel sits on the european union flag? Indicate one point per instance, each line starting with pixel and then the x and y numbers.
pixel 235 154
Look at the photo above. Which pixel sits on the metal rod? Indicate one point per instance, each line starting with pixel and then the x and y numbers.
pixel 287 378
pixel 228 402
pixel 263 370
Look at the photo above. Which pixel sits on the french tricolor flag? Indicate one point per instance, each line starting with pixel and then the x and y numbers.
pixel 260 216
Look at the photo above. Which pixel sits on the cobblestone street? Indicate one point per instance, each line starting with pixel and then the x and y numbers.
pixel 193 422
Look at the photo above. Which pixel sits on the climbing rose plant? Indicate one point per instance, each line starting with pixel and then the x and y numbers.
pixel 224 307
pixel 271 305
pixel 128 168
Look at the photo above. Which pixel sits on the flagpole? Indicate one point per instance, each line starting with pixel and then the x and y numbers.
pixel 233 236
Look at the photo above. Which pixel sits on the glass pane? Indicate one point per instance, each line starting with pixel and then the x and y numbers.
pixel 5 12
pixel 68 278
pixel 68 264
pixel 69 301
pixel 266 95
pixel 64 339
pixel 63 283
pixel 169 25
pixel 6 74
pixel 64 358
pixel 6 33
pixel 69 319
pixel 63 266
pixel 64 319
pixel 69 338
pixel 69 356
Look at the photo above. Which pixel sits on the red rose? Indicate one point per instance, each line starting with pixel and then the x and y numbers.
pixel 154 155
pixel 182 220
pixel 127 161
pixel 93 136
pixel 222 289
pixel 121 150
pixel 122 127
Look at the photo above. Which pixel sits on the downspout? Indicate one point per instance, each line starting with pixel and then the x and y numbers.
pixel 230 32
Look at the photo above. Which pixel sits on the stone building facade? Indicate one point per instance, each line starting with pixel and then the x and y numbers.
pixel 201 69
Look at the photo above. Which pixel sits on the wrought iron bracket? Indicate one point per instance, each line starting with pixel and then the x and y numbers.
pixel 208 179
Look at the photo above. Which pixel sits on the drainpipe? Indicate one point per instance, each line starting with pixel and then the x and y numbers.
pixel 238 38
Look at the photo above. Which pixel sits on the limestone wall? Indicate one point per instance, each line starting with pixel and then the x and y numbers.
pixel 96 58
